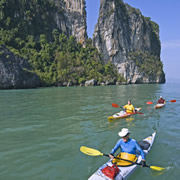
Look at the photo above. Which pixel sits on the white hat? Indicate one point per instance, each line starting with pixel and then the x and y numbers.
pixel 123 132
pixel 160 96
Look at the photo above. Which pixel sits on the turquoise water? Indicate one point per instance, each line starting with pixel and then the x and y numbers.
pixel 42 130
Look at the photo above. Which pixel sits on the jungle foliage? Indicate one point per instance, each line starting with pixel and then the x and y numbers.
pixel 27 28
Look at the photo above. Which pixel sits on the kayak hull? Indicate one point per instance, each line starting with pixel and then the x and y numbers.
pixel 124 172
pixel 120 115
pixel 158 106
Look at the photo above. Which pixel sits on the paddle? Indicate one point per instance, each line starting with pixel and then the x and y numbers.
pixel 94 152
pixel 149 102
pixel 139 113
pixel 117 106
pixel 172 101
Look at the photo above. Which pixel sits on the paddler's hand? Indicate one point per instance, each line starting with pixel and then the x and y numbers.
pixel 111 156
pixel 143 162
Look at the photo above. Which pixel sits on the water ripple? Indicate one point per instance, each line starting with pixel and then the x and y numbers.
pixel 42 130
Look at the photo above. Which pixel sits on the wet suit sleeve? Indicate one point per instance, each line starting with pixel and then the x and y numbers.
pixel 118 144
pixel 140 150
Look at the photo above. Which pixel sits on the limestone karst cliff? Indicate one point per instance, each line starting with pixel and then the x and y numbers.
pixel 130 40
pixel 72 19
pixel 28 29
pixel 15 72
pixel 47 33
pixel 43 16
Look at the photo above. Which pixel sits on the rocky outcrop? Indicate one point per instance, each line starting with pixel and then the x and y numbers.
pixel 134 75
pixel 72 18
pixel 91 82
pixel 15 72
pixel 121 30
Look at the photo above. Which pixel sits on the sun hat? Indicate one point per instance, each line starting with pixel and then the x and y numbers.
pixel 124 132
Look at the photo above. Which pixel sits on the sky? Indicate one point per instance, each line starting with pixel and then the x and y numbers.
pixel 166 13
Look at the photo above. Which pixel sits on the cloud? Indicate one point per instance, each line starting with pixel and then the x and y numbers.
pixel 171 44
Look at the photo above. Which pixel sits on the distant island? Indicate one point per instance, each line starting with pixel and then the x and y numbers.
pixel 45 43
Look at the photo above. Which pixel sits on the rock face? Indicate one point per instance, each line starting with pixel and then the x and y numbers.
pixel 122 35
pixel 15 72
pixel 42 17
pixel 72 20
pixel 122 30
pixel 91 82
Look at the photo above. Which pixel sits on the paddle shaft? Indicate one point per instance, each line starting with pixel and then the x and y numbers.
pixel 126 160
pixel 136 112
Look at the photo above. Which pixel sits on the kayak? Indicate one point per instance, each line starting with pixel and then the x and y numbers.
pixel 125 172
pixel 122 114
pixel 157 106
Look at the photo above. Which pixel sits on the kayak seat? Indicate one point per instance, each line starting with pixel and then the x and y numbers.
pixel 144 145
pixel 124 155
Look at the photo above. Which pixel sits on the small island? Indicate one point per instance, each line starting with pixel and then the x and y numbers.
pixel 45 43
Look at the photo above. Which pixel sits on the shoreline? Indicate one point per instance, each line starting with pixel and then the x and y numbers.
pixel 63 86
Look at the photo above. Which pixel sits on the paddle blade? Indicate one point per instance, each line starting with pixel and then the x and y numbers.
pixel 115 105
pixel 90 151
pixel 140 113
pixel 157 168
pixel 149 102
pixel 172 101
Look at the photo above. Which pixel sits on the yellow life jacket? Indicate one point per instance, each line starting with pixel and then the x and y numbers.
pixel 124 155
pixel 129 108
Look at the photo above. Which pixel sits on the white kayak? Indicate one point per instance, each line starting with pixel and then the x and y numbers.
pixel 125 172
pixel 157 106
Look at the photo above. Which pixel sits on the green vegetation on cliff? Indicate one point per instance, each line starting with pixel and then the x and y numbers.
pixel 21 17
pixel 63 59
pixel 147 63
pixel 39 31
pixel 29 31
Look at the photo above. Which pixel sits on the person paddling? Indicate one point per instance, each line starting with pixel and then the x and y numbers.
pixel 161 100
pixel 129 108
pixel 128 148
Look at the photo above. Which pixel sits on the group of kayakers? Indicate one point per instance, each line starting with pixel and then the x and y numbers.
pixel 129 108
pixel 127 145
pixel 131 151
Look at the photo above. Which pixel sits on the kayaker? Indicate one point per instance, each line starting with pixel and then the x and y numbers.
pixel 161 100
pixel 128 148
pixel 129 108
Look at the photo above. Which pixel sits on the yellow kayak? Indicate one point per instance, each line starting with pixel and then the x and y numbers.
pixel 122 114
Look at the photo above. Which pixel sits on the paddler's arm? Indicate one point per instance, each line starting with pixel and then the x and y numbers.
pixel 124 107
pixel 111 155
pixel 133 109
pixel 142 155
